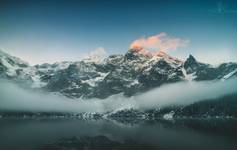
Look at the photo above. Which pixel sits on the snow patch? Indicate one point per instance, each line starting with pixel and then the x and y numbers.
pixel 169 116
pixel 229 75
pixel 190 76
pixel 135 82
pixel 11 70
pixel 92 82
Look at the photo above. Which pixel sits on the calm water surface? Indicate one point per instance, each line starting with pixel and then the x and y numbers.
pixel 212 134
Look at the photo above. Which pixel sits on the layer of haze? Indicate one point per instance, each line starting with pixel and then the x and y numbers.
pixel 14 98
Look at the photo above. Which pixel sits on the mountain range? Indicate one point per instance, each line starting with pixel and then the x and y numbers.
pixel 130 74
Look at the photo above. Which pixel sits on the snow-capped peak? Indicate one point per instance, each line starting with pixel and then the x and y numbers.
pixel 154 55
pixel 136 71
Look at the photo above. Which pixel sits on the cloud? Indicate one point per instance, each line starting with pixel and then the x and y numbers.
pixel 96 56
pixel 159 42
pixel 37 101
pixel 182 93
pixel 185 93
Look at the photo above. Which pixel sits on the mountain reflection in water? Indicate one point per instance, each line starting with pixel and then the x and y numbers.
pixel 44 134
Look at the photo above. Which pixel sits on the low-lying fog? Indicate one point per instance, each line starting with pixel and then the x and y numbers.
pixel 16 98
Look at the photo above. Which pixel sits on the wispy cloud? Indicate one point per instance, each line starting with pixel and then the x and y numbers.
pixel 159 42
pixel 97 55
pixel 182 93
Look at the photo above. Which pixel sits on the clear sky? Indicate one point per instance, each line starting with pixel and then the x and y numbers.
pixel 47 31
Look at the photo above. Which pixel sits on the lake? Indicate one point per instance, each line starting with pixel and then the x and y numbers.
pixel 196 134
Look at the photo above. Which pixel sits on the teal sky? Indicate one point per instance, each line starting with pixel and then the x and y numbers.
pixel 48 31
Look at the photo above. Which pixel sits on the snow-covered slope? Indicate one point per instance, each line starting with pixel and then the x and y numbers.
pixel 9 64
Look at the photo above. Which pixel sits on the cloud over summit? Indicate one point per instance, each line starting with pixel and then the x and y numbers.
pixel 159 42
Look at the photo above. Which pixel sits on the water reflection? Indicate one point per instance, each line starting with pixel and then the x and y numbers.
pixel 218 134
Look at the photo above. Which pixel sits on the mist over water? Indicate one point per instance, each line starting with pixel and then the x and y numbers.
pixel 15 98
